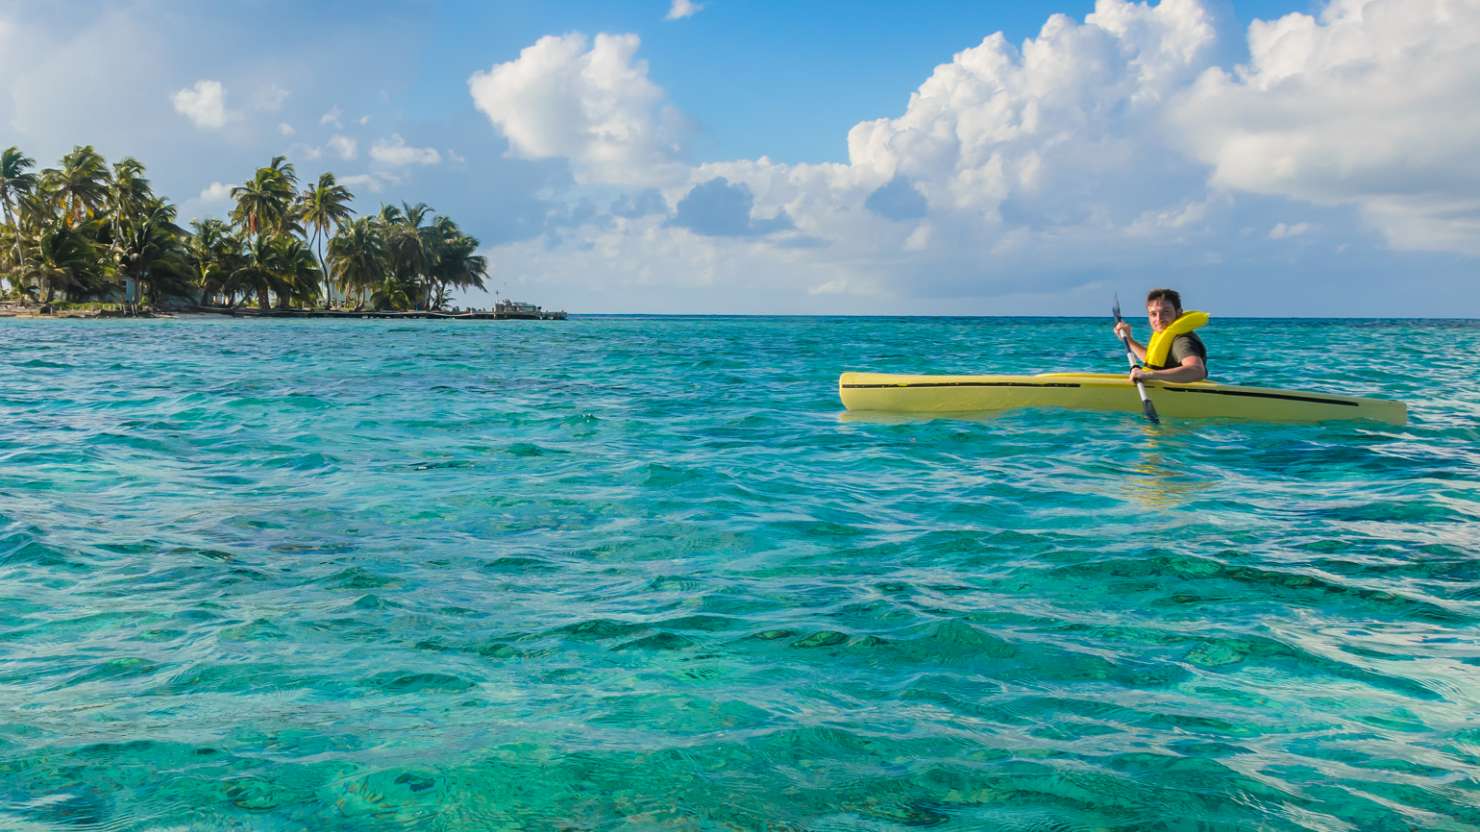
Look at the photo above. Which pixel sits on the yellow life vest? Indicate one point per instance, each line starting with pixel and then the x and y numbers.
pixel 1161 342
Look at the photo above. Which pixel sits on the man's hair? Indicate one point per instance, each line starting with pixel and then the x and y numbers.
pixel 1168 295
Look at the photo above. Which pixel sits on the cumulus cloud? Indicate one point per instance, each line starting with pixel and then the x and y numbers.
pixel 1372 104
pixel 395 151
pixel 590 102
pixel 1056 133
pixel 214 200
pixel 1006 161
pixel 285 129
pixel 1111 147
pixel 204 104
pixel 362 181
pixel 344 147
pixel 333 118
pixel 681 9
pixel 215 193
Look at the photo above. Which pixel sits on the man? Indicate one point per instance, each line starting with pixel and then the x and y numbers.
pixel 1187 358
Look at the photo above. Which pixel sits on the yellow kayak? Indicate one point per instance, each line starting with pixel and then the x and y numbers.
pixel 882 392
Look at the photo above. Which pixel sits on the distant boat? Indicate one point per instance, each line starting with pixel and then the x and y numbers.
pixel 525 311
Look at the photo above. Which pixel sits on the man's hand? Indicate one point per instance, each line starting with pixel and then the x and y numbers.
pixel 1141 374
pixel 1122 330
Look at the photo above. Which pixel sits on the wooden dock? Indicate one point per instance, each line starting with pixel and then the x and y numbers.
pixel 472 315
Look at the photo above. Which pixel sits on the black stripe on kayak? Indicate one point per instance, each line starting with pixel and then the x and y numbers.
pixel 1253 395
pixel 961 384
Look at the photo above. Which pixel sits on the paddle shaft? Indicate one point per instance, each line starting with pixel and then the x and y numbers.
pixel 1146 406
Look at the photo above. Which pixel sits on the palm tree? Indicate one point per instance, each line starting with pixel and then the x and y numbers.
pixel 408 244
pixel 214 256
pixel 264 203
pixel 358 255
pixel 65 257
pixel 257 271
pixel 150 250
pixel 321 206
pixel 457 263
pixel 279 265
pixel 130 208
pixel 391 295
pixel 265 210
pixel 129 193
pixel 16 181
pixel 80 186
pixel 297 271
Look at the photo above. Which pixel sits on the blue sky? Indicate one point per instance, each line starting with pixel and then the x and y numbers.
pixel 1268 157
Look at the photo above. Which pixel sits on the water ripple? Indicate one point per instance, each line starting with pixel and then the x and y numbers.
pixel 639 573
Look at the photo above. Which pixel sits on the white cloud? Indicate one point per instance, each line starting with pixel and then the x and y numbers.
pixel 216 193
pixel 362 181
pixel 1157 223
pixel 587 101
pixel 344 147
pixel 1107 146
pixel 1283 231
pixel 270 98
pixel 364 120
pixel 1099 147
pixel 455 157
pixel 1055 125
pixel 1007 162
pixel 213 201
pixel 333 118
pixel 204 104
pixel 1371 104
pixel 395 151
pixel 682 8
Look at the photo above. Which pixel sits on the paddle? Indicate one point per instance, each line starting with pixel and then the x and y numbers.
pixel 1146 406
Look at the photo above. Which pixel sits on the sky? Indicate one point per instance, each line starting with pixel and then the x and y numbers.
pixel 1270 157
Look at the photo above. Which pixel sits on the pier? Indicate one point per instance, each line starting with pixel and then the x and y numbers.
pixel 470 315
pixel 502 311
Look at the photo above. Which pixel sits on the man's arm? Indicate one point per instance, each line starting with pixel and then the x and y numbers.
pixel 1192 368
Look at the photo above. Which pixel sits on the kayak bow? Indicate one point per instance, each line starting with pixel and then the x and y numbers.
pixel 881 392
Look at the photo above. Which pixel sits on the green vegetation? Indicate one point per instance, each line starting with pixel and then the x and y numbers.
pixel 84 232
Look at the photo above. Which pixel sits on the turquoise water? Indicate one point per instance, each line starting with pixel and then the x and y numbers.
pixel 629 573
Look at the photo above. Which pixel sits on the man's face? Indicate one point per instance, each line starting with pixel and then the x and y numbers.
pixel 1160 313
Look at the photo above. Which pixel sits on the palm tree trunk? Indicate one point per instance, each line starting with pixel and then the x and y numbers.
pixel 20 252
pixel 323 269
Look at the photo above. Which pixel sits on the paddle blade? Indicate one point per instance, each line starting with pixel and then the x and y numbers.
pixel 1116 310
pixel 1150 410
